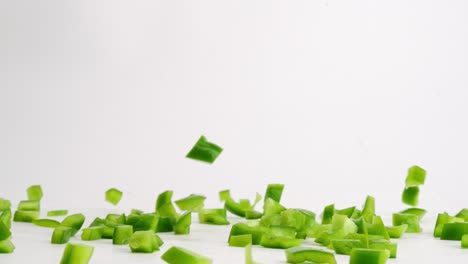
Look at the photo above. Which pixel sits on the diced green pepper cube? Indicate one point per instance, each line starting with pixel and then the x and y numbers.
pixel 77 254
pixel 115 219
pixel 113 196
pixel 122 234
pixel 165 224
pixel 410 219
pixel 75 221
pixel 136 211
pixel 270 241
pixel 144 242
pixel 303 254
pixel 62 234
pixel 240 240
pixel 25 216
pixel 384 244
pixel 396 231
pixel 29 205
pixel 6 247
pixel 191 203
pixel 46 223
pixel 244 228
pixel 107 232
pixel 165 208
pixel 92 233
pixel 416 211
pixel 213 216
pixel 463 214
pixel 410 195
pixel 4 231
pixel 377 228
pixel 34 192
pixel 204 151
pixel 368 211
pixel 182 226
pixel 443 219
pixel 464 241
pixel 57 212
pixel 327 214
pixel 346 211
pixel 4 204
pixel 416 176
pixel 274 191
pixel 5 217
pixel 368 256
pixel 143 222
pixel 271 206
pixel 178 255
pixel 344 246
pixel 454 231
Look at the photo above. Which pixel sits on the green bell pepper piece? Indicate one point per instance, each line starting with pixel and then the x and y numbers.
pixel 416 176
pixel 302 254
pixel 77 254
pixel 240 240
pixel 454 231
pixel 328 213
pixel 122 234
pixel 463 214
pixel 75 221
pixel 113 196
pixel 46 223
pixel 193 203
pixel 249 228
pixel 410 195
pixel 57 212
pixel 178 255
pixel 442 219
pixel 271 206
pixel 396 231
pixel 346 211
pixel 410 219
pixel 213 216
pixel 274 191
pixel 144 242
pixel 182 225
pixel 6 247
pixel 368 211
pixel 5 217
pixel 270 241
pixel 143 222
pixel 5 232
pixel 464 241
pixel 25 216
pixel 344 246
pixel 29 205
pixel 248 254
pixel 115 219
pixel 4 204
pixel 34 192
pixel 91 233
pixel 204 151
pixel 368 256
pixel 62 234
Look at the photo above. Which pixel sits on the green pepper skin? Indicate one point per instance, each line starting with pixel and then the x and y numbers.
pixel 368 256
pixel 77 254
pixel 454 231
pixel 204 151
pixel 179 255
pixel 303 254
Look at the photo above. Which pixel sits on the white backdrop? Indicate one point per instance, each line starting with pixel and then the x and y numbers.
pixel 335 99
